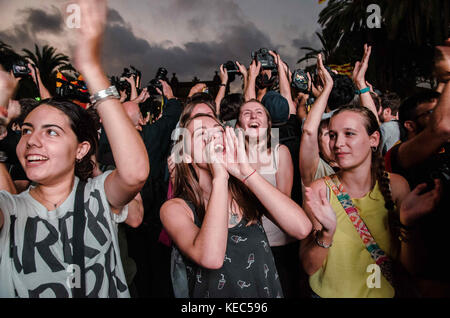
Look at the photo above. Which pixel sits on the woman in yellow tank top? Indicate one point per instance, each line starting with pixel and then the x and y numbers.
pixel 334 255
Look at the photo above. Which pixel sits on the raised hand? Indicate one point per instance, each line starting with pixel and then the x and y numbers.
pixel 197 88
pixel 223 75
pixel 359 72
pixel 143 96
pixel 254 69
pixel 237 162
pixel 416 205
pixel 318 206
pixel 167 90
pixel 88 46
pixel 324 75
pixel 242 69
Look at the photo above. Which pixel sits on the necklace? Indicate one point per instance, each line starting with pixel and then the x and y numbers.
pixel 55 205
pixel 234 216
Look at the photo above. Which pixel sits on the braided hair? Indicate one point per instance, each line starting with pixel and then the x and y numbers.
pixel 378 172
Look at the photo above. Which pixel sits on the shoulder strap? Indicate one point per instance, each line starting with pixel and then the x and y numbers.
pixel 79 222
pixel 375 251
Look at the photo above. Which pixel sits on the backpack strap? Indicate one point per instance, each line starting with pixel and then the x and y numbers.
pixel 79 223
pixel 379 256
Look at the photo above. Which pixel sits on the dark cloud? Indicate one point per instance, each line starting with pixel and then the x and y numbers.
pixel 33 23
pixel 44 21
pixel 195 58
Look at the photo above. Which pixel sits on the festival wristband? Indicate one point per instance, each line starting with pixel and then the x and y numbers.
pixel 364 90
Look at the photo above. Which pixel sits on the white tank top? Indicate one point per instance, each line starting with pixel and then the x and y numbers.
pixel 275 235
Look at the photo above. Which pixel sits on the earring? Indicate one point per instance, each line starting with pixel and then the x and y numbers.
pixel 77 160
pixel 374 149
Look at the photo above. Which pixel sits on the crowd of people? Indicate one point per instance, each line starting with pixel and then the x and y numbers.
pixel 336 190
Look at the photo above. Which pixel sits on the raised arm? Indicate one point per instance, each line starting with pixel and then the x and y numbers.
pixel 413 206
pixel 420 147
pixel 130 155
pixel 223 87
pixel 285 84
pixel 36 75
pixel 206 245
pixel 309 145
pixel 253 71
pixel 359 78
pixel 285 212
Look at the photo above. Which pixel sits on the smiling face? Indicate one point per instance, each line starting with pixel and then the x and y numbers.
pixel 253 119
pixel 349 140
pixel 49 147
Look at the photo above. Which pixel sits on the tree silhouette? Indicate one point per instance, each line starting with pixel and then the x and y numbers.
pixel 48 62
pixel 403 47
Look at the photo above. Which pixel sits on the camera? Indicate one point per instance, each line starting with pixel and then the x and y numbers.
pixel 232 70
pixel 76 90
pixel 21 69
pixel 300 80
pixel 161 74
pixel 263 56
pixel 122 84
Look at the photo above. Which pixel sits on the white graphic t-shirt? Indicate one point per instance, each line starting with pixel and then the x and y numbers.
pixel 36 254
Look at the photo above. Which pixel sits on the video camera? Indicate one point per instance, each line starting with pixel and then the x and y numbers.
pixel 76 90
pixel 161 74
pixel 267 61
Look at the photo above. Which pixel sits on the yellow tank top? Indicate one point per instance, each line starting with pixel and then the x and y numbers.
pixel 345 270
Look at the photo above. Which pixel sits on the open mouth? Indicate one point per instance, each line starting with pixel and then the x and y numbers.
pixel 35 158
pixel 254 125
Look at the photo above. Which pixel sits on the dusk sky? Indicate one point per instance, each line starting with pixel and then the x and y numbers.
pixel 188 37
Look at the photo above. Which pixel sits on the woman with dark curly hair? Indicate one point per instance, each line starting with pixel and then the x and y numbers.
pixel 59 238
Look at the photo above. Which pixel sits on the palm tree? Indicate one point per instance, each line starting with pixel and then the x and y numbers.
pixel 327 50
pixel 48 62
pixel 402 48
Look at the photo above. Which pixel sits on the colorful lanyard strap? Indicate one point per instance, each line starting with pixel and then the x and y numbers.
pixel 380 257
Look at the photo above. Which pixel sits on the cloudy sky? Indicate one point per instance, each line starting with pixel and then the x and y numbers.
pixel 188 37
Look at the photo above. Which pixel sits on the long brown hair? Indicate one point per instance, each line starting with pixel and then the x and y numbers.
pixel 378 172
pixel 187 187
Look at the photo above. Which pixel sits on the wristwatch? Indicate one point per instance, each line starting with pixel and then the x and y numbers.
pixel 320 243
pixel 110 92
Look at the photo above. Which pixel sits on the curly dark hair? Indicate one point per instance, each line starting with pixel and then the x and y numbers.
pixel 342 93
pixel 83 125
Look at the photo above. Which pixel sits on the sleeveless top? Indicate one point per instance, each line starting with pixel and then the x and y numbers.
pixel 346 272
pixel 248 269
pixel 276 236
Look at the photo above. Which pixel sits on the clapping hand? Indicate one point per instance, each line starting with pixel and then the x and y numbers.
pixel 318 206
pixel 417 204
pixel 359 72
